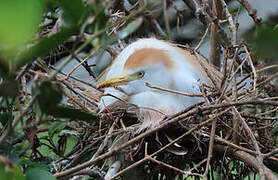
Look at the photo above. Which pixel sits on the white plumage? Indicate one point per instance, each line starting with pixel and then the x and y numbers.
pixel 161 64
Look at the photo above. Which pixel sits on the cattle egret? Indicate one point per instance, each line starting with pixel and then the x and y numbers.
pixel 157 63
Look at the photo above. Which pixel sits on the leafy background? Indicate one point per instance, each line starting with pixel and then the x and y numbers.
pixel 34 35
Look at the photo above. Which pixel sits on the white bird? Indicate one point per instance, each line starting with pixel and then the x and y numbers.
pixel 158 63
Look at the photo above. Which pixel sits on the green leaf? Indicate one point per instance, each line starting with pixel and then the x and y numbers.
pixel 130 28
pixel 13 172
pixel 44 46
pixel 36 173
pixel 48 100
pixel 74 114
pixel 49 97
pixel 236 9
pixel 9 88
pixel 264 40
pixel 8 150
pixel 74 12
pixel 5 117
pixel 101 19
pixel 19 23
pixel 38 164
pixel 56 127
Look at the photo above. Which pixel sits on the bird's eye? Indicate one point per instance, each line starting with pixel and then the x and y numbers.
pixel 141 74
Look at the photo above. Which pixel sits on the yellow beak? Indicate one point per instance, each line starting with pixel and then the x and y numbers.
pixel 116 81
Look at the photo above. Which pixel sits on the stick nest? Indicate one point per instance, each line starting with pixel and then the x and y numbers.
pixel 232 132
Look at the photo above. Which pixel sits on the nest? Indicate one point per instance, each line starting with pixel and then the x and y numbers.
pixel 232 132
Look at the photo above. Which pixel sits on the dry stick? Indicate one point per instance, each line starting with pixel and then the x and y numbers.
pixel 97 173
pixel 249 159
pixel 246 127
pixel 66 84
pixel 240 66
pixel 224 70
pixel 259 157
pixel 132 141
pixel 214 36
pixel 252 12
pixel 260 84
pixel 171 91
pixel 22 113
pixel 215 20
pixel 78 103
pixel 81 95
pixel 268 67
pixel 273 152
pixel 232 25
pixel 104 143
pixel 203 38
pixel 215 58
pixel 158 28
pixel 240 148
pixel 271 98
pixel 253 70
pixel 102 146
pixel 174 168
pixel 254 162
pixel 211 142
pixel 169 144
pixel 79 80
pixel 18 118
pixel 204 14
pixel 174 119
pixel 197 165
pixel 79 64
pixel 224 82
pixel 268 79
pixel 197 10
pixel 253 139
pixel 166 20
pixel 248 130
pixel 267 112
pixel 235 121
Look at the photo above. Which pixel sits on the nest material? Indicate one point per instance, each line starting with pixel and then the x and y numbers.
pixel 233 130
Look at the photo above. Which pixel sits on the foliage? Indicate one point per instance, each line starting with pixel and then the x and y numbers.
pixel 37 127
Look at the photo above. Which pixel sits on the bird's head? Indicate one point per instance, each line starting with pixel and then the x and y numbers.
pixel 150 65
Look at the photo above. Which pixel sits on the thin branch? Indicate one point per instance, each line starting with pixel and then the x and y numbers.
pixel 18 118
pixel 251 11
pixel 172 91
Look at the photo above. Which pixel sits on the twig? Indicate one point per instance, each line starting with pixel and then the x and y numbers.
pixel 235 121
pixel 203 38
pixel 19 117
pixel 197 10
pixel 232 25
pixel 165 124
pixel 172 91
pixel 158 28
pixel 215 47
pixel 166 20
pixel 187 173
pixel 104 142
pixel 211 143
pixel 171 143
pixel 253 70
pixel 252 12
pixel 80 63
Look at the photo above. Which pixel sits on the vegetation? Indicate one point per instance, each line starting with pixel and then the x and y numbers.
pixel 49 125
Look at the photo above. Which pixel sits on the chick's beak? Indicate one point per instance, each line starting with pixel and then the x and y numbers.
pixel 116 81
